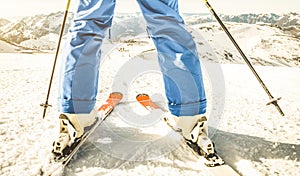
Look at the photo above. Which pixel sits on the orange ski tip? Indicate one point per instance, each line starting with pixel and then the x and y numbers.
pixel 141 97
pixel 144 99
pixel 116 95
pixel 113 99
pixel 103 107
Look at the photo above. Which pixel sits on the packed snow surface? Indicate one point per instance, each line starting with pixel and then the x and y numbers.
pixel 251 137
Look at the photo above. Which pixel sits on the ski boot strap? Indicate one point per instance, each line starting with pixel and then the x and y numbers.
pixel 67 136
pixel 191 126
pixel 198 129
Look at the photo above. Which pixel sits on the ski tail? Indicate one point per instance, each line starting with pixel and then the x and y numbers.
pixel 211 159
pixel 58 163
pixel 103 111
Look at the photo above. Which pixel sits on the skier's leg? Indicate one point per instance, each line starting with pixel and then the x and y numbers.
pixel 177 56
pixel 181 70
pixel 79 72
pixel 81 57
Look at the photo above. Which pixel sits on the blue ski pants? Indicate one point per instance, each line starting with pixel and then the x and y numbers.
pixel 177 56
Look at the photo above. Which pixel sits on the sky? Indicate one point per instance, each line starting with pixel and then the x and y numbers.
pixel 15 8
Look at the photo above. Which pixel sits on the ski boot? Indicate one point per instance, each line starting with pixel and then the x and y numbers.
pixel 194 130
pixel 72 128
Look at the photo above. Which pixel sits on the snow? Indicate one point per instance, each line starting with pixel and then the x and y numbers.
pixel 263 44
pixel 253 138
pixel 47 42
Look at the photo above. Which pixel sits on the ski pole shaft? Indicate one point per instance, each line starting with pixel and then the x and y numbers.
pixel 272 99
pixel 45 105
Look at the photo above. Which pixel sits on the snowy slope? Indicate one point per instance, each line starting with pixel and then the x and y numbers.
pixel 263 44
pixel 8 48
pixel 253 138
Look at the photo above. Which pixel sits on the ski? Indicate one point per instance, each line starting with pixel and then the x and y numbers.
pixel 60 162
pixel 215 165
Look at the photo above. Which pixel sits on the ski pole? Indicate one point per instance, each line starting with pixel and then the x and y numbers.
pixel 45 105
pixel 273 100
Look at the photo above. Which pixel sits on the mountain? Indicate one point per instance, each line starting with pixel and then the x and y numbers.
pixel 35 32
pixel 273 33
pixel 287 19
pixel 126 26
pixel 290 22
pixel 3 22
pixel 262 44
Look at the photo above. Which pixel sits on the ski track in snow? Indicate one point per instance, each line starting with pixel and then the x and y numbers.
pixel 251 137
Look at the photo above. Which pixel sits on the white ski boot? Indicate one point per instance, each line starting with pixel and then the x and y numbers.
pixel 72 127
pixel 194 130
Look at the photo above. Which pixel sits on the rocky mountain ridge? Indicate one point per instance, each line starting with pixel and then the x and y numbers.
pixel 270 39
